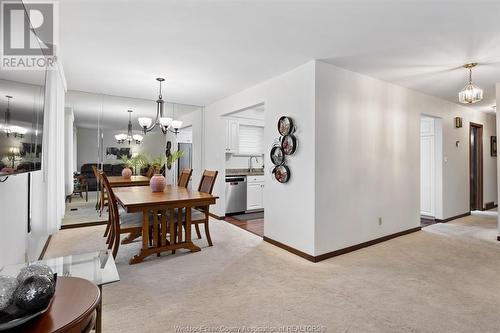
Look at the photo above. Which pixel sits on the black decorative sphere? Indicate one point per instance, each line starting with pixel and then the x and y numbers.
pixel 34 293
pixel 35 270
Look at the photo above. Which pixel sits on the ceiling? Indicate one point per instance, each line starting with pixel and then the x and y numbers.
pixel 210 49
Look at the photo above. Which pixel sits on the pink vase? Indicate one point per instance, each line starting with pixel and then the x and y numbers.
pixel 157 183
pixel 126 173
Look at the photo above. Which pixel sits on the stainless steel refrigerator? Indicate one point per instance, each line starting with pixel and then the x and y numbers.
pixel 186 161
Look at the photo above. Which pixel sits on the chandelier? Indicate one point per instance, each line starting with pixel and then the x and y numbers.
pixel 129 137
pixel 470 93
pixel 165 123
pixel 9 129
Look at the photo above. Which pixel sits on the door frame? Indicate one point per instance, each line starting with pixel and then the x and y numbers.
pixel 479 143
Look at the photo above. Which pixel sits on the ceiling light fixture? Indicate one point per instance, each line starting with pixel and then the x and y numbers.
pixel 470 93
pixel 9 129
pixel 165 123
pixel 129 137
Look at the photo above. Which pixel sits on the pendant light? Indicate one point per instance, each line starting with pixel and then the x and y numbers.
pixel 129 137
pixel 9 129
pixel 470 93
pixel 164 123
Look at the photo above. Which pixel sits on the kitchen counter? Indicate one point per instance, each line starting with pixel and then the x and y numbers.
pixel 244 172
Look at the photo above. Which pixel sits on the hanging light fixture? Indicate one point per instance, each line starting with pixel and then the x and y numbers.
pixel 471 93
pixel 165 123
pixel 9 129
pixel 129 137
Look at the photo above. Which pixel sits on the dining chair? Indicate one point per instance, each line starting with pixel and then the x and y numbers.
pixel 184 177
pixel 200 215
pixel 151 171
pixel 102 200
pixel 126 223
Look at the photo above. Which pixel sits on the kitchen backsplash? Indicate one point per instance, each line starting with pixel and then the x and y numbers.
pixel 241 162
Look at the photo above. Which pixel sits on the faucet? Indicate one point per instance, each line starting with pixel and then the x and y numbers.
pixel 250 166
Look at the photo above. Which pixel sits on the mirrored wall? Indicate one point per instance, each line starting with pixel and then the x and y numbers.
pixel 107 134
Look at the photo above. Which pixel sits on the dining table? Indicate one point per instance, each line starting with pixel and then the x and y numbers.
pixel 178 201
pixel 120 181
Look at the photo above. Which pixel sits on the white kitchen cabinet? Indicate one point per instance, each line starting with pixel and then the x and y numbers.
pixel 255 192
pixel 232 136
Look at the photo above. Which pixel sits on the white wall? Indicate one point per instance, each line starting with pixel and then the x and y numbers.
pixel 15 242
pixel 367 157
pixel 289 207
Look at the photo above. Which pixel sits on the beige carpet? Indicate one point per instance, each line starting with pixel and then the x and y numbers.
pixel 422 282
pixel 83 211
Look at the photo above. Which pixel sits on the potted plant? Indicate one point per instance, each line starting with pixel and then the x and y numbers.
pixel 136 161
pixel 127 171
pixel 157 182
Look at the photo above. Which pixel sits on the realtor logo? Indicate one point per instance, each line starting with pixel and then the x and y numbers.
pixel 28 34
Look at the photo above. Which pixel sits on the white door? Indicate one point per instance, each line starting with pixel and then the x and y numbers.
pixel 427 167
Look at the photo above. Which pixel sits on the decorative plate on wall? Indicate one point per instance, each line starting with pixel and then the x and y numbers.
pixel 277 155
pixel 285 125
pixel 281 173
pixel 289 144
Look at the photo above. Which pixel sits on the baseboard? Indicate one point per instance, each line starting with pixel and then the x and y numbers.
pixel 490 205
pixel 289 249
pixel 453 218
pixel 341 251
pixel 42 254
pixel 85 224
pixel 216 216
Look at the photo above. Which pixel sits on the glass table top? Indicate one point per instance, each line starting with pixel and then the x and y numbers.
pixel 98 267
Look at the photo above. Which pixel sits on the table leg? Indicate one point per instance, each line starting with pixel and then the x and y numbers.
pixel 145 239
pixel 188 240
pixel 98 322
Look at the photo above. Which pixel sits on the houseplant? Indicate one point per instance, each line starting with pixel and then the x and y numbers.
pixel 136 161
pixel 158 181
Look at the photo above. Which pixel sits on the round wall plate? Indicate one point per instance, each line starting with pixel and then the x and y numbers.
pixel 277 155
pixel 282 173
pixel 289 144
pixel 285 126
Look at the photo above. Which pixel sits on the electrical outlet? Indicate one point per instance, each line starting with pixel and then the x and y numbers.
pixel 379 221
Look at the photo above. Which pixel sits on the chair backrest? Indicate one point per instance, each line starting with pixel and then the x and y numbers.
pixel 207 181
pixel 114 216
pixel 151 171
pixel 96 172
pixel 184 177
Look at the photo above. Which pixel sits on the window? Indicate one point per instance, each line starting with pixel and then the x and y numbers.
pixel 251 140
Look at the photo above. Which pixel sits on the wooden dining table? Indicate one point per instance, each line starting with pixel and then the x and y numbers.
pixel 120 181
pixel 141 199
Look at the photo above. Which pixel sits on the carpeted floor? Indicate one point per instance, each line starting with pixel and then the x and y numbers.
pixel 422 282
pixel 80 211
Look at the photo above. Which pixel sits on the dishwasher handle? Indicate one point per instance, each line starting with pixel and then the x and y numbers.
pixel 235 180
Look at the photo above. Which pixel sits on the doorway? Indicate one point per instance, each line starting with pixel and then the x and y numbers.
pixel 431 157
pixel 476 166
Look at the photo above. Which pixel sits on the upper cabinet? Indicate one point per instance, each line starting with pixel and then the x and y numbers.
pixel 232 136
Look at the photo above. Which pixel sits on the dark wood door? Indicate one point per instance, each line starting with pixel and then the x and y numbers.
pixel 476 166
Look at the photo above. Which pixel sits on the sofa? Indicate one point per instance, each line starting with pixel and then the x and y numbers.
pixel 109 170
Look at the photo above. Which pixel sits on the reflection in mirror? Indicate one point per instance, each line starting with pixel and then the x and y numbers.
pixel 107 135
pixel 21 123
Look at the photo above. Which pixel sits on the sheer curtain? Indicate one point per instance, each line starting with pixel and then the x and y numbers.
pixel 54 147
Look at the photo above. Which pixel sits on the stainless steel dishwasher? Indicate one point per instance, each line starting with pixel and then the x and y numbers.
pixel 236 194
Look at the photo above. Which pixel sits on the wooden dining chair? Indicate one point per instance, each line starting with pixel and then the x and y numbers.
pixel 151 171
pixel 200 215
pixel 102 200
pixel 184 177
pixel 127 223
